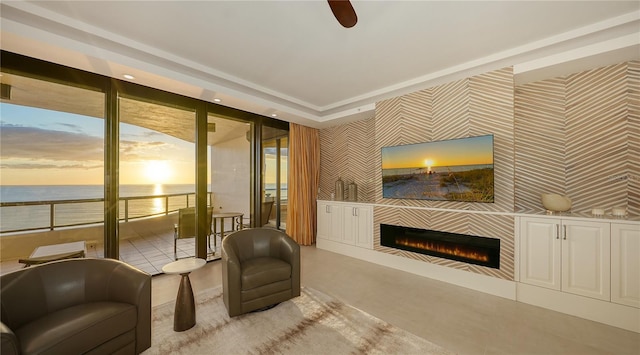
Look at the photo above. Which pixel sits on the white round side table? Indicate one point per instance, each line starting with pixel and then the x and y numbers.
pixel 184 316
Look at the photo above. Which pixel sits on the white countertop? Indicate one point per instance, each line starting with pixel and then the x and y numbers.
pixel 607 217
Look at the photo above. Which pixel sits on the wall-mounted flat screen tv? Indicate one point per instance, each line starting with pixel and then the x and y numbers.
pixel 448 170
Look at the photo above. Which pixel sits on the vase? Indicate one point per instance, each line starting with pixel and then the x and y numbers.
pixel 556 202
pixel 339 190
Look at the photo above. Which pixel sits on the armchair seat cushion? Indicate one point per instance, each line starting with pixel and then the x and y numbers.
pixel 77 329
pixel 263 271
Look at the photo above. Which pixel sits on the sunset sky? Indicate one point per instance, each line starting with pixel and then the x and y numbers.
pixel 469 151
pixel 42 147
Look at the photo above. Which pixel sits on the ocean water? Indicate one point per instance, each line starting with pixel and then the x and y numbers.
pixel 14 218
pixel 39 216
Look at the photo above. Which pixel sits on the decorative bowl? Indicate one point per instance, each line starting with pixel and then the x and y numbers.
pixel 556 202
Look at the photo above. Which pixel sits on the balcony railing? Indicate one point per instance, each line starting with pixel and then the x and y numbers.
pixel 50 215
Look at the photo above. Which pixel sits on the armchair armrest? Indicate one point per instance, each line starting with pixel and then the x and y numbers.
pixel 290 252
pixel 8 341
pixel 129 285
pixel 289 249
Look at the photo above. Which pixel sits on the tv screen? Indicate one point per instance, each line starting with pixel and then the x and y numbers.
pixel 448 170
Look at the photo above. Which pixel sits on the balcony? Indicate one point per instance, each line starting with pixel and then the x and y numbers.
pixel 146 240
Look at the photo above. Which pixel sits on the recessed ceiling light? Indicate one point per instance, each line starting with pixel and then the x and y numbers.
pixel 217 100
pixel 129 76
pixel 274 115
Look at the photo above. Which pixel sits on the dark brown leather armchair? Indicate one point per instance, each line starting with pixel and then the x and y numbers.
pixel 76 306
pixel 260 268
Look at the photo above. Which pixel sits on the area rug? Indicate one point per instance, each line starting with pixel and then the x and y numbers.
pixel 313 323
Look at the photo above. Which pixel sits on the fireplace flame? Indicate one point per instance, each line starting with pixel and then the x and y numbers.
pixel 444 249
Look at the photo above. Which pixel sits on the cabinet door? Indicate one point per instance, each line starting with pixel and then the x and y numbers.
pixel 625 264
pixel 335 222
pixel 323 221
pixel 540 252
pixel 350 220
pixel 586 258
pixel 364 234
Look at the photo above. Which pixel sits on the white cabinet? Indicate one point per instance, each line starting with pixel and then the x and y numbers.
pixel 625 264
pixel 358 225
pixel 540 252
pixel 348 223
pixel 567 255
pixel 586 259
pixel 329 221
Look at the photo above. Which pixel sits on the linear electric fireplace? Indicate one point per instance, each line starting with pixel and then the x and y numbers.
pixel 461 247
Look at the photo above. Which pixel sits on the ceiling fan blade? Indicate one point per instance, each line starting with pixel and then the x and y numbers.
pixel 344 12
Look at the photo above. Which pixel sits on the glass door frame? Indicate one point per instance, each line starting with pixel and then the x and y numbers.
pixel 113 88
pixel 261 184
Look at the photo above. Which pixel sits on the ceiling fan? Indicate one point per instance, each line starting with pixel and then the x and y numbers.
pixel 344 12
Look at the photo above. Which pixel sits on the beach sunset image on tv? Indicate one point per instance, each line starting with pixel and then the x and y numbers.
pixel 448 170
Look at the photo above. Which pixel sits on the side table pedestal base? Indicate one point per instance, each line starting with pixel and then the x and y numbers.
pixel 185 313
pixel 184 316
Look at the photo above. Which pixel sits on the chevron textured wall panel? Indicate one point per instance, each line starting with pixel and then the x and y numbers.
pixel 578 134
pixel 575 135
pixel 450 111
pixel 633 176
pixel 328 162
pixel 500 227
pixel 539 142
pixel 474 106
pixel 596 139
pixel 412 128
pixel 346 153
pixel 491 100
pixel 391 112
pixel 492 226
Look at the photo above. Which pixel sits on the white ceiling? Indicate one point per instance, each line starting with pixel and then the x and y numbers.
pixel 292 58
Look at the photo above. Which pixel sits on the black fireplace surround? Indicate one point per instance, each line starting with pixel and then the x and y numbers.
pixel 460 247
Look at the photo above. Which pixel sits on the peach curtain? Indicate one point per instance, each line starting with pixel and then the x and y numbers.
pixel 304 177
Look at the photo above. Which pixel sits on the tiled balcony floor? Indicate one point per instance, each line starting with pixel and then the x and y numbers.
pixel 149 253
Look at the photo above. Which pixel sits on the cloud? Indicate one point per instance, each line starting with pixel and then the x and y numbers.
pixel 19 142
pixel 50 146
pixel 70 127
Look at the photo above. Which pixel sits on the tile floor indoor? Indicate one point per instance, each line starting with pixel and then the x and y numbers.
pixel 459 319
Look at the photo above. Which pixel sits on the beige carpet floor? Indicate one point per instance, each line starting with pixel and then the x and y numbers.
pixel 313 323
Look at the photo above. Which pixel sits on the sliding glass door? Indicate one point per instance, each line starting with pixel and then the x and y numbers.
pixel 274 177
pixel 51 178
pixel 156 180
pixel 135 156
pixel 229 143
